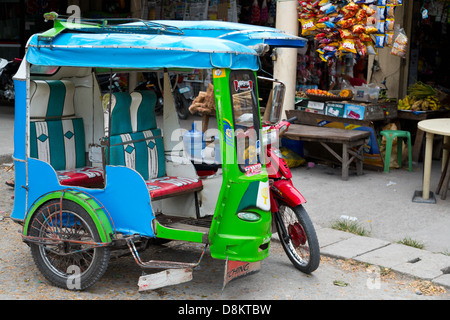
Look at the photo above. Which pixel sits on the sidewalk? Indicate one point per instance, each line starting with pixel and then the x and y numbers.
pixel 381 202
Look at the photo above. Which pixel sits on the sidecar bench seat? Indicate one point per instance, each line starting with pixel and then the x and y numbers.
pixel 57 136
pixel 137 143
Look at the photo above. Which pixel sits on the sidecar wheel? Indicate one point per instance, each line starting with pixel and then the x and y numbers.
pixel 66 245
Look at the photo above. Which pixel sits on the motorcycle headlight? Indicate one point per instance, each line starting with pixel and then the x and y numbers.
pixel 249 216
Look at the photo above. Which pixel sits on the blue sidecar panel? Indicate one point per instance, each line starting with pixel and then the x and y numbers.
pixel 125 197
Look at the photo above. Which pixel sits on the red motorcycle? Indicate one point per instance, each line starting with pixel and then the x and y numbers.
pixel 295 229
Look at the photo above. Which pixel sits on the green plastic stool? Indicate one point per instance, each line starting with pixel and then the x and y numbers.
pixel 390 135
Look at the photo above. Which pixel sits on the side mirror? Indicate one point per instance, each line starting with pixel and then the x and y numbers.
pixel 274 106
pixel 277 102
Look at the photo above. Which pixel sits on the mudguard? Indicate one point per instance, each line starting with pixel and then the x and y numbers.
pixel 285 191
pixel 90 204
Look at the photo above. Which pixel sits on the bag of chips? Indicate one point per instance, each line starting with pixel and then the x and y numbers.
pixel 346 23
pixel 348 46
pixel 346 34
pixel 400 44
pixel 379 40
pixel 364 37
pixel 361 15
pixel 389 39
pixel 358 28
pixel 308 26
pixel 371 30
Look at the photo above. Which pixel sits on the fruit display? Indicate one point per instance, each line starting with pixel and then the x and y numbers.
pixel 301 95
pixel 421 97
pixel 420 90
pixel 318 92
pixel 411 103
pixel 346 93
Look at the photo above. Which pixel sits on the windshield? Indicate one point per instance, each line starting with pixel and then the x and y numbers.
pixel 246 120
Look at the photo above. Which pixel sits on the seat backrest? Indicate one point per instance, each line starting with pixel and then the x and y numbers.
pixel 59 143
pixel 56 136
pixel 142 110
pixel 137 144
pixel 51 99
pixel 120 113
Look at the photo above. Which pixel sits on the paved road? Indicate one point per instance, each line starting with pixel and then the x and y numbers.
pixel 278 280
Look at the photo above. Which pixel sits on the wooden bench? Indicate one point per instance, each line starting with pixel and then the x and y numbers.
pixel 348 138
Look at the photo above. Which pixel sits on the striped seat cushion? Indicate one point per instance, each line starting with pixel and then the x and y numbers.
pixel 61 144
pixel 142 151
pixel 58 142
pixel 164 187
pixel 85 177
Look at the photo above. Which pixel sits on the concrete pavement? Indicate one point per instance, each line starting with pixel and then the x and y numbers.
pixel 368 198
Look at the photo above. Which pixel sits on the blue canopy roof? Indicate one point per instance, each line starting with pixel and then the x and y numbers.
pixel 246 34
pixel 131 50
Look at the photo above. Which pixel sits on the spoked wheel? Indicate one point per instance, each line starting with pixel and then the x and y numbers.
pixel 298 237
pixel 66 246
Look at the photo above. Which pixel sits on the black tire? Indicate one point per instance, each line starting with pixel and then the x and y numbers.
pixel 300 243
pixel 61 263
pixel 181 105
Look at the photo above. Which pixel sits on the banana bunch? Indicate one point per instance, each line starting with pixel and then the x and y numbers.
pixel 414 104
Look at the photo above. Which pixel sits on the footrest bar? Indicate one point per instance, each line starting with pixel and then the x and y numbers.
pixel 157 264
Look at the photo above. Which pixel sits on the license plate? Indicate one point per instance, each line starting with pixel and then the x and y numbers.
pixel 237 269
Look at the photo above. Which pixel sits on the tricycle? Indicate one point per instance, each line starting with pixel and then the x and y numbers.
pixel 95 174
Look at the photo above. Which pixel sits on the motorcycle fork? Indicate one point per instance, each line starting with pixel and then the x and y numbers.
pixel 285 235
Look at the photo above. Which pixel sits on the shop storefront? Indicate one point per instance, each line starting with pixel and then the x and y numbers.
pixel 372 65
pixel 21 19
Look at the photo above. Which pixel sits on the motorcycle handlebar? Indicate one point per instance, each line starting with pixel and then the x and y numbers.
pixel 292 120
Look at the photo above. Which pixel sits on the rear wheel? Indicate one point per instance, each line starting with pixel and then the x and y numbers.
pixel 66 246
pixel 298 237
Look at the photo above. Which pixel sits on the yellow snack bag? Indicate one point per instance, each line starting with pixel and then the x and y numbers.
pixel 348 45
pixel 308 26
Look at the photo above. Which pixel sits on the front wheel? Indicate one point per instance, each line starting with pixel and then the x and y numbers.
pixel 298 237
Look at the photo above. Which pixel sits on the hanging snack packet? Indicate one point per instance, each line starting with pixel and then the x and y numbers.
pixel 379 40
pixel 370 48
pixel 358 28
pixel 347 23
pixel 381 26
pixel 381 2
pixel 400 45
pixel 389 39
pixel 389 27
pixel 362 50
pixel 361 15
pixel 352 7
pixel 348 46
pixel 371 30
pixel 370 11
pixel 381 13
pixel 390 11
pixel 346 34
pixel 365 37
pixel 320 26
pixel 308 26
